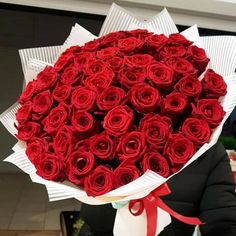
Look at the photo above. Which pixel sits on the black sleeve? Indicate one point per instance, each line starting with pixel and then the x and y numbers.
pixel 218 203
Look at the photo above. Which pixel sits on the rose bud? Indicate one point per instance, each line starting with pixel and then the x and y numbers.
pixel 128 77
pixel 156 162
pixel 160 76
pixel 197 130
pixel 179 38
pixel 99 182
pixel 111 39
pixel 139 33
pixel 62 93
pixel 118 120
pixel 210 110
pixel 181 66
pixel 102 146
pixel 156 41
pixel 125 173
pixel 82 121
pixel 131 146
pixel 178 149
pixel 42 102
pixel 172 50
pixel 213 85
pixel 91 46
pixel 129 45
pixel 189 86
pixel 144 98
pixel 198 57
pixel 64 141
pixel 56 118
pixel 29 91
pixel 173 104
pixel 72 50
pixel 156 129
pixel 110 98
pixel 47 78
pixel 100 81
pixel 107 53
pixel 35 149
pixel 82 59
pixel 138 60
pixel 79 164
pixel 51 167
pixel 83 99
pixel 24 112
pixel 63 62
pixel 27 131
pixel 72 75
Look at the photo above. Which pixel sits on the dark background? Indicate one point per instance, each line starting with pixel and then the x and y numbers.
pixel 27 27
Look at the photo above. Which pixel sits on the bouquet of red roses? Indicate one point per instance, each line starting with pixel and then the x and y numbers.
pixel 125 110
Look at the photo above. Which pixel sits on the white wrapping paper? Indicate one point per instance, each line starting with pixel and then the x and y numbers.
pixel 221 50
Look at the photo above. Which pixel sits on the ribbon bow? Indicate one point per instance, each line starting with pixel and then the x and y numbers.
pixel 150 204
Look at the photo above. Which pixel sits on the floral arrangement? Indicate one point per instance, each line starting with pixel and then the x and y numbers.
pixel 119 105
pixel 111 119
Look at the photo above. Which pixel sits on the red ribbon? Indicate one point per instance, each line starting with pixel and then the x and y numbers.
pixel 150 204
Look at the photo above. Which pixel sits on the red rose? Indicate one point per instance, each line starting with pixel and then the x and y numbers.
pixel 42 102
pixel 178 149
pixel 83 99
pixel 156 162
pixel 82 59
pixel 91 46
pixel 157 130
pixel 82 145
pixel 62 92
pixel 173 104
pixel 172 50
pixel 102 146
pixel 99 182
pixel 144 98
pixel 97 66
pixel 47 78
pixel 36 149
pixel 125 173
pixel 107 53
pixel 29 91
pixel 210 110
pixel 64 141
pixel 51 167
pixel 115 63
pixel 138 60
pixel 131 146
pixel 160 76
pixel 27 131
pixel 56 118
pixel 196 130
pixel 110 97
pixel 82 121
pixel 198 58
pixel 99 82
pixel 63 61
pixel 129 77
pixel 72 50
pixel 139 33
pixel 111 39
pixel 129 45
pixel 79 164
pixel 72 75
pixel 118 120
pixel 213 85
pixel 181 66
pixel 189 86
pixel 156 41
pixel 24 112
pixel 178 38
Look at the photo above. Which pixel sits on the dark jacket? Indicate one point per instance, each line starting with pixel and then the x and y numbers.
pixel 204 189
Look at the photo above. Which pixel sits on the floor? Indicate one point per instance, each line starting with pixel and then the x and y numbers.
pixel 24 205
